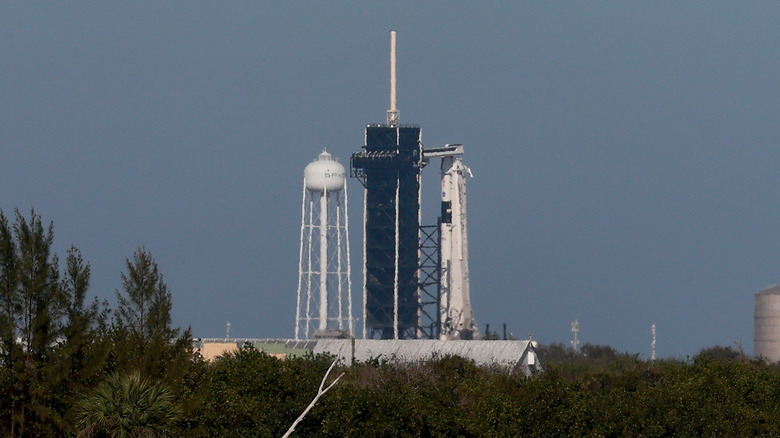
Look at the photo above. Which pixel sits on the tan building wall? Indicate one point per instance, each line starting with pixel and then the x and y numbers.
pixel 212 350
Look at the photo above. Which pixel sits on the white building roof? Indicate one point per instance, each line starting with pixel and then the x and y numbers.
pixel 499 353
pixel 506 354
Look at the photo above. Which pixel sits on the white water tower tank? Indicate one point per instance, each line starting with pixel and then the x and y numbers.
pixel 766 341
pixel 324 173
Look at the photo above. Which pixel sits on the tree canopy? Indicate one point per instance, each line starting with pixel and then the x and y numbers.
pixel 56 346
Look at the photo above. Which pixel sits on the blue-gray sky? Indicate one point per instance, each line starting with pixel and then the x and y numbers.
pixel 625 154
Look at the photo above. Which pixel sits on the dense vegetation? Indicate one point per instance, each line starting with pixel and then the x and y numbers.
pixel 56 348
pixel 250 394
pixel 70 367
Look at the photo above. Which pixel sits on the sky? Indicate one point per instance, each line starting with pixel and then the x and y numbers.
pixel 624 153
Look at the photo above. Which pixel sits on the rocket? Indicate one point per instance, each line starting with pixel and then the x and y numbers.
pixel 457 316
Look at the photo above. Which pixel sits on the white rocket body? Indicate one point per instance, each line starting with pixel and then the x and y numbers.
pixel 457 315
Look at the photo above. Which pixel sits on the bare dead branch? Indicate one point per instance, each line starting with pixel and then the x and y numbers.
pixel 320 393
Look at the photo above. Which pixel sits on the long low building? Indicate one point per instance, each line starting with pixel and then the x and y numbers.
pixel 506 354
pixel 515 354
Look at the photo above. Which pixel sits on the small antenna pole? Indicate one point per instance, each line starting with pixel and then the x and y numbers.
pixel 393 114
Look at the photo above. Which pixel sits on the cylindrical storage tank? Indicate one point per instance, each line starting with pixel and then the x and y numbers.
pixel 766 341
pixel 325 174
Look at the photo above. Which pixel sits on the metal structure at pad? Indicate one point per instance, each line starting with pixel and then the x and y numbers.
pixel 415 278
pixel 389 168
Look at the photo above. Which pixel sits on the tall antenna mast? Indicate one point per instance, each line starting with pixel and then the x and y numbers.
pixel 652 344
pixel 575 328
pixel 393 114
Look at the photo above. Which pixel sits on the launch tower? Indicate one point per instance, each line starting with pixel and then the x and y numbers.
pixel 389 168
pixel 413 288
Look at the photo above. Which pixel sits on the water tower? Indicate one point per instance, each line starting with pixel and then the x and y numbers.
pixel 767 324
pixel 324 305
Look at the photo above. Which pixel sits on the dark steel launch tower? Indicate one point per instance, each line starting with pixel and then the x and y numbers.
pixel 389 167
pixel 406 278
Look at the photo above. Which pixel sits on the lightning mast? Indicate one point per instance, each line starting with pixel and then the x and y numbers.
pixel 393 114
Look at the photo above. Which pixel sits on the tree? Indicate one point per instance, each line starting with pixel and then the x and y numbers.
pixel 37 283
pixel 556 353
pixel 142 326
pixel 720 353
pixel 251 394
pixel 320 392
pixel 128 406
pixel 10 308
pixel 10 304
pixel 55 345
pixel 50 345
pixel 30 320
pixel 145 306
pixel 83 348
